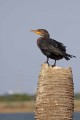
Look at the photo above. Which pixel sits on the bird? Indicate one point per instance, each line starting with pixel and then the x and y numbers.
pixel 50 47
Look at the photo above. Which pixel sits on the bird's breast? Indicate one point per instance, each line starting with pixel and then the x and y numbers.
pixel 39 41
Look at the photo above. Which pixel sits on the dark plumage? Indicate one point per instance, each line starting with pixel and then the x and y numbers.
pixel 50 47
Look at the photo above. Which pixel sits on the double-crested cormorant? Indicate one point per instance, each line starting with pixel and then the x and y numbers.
pixel 50 47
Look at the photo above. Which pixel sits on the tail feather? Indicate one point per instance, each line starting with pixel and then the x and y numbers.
pixel 68 56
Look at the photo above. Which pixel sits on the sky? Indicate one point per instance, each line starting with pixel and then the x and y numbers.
pixel 20 58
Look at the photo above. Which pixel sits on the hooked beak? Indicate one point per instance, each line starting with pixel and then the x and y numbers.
pixel 33 31
pixel 36 31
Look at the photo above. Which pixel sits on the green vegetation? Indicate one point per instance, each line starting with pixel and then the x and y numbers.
pixel 17 97
pixel 26 97
pixel 77 96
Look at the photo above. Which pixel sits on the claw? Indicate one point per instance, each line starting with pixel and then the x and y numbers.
pixel 47 63
pixel 54 64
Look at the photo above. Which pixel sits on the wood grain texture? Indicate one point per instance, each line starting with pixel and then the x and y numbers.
pixel 55 94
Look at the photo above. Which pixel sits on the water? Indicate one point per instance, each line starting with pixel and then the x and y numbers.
pixel 28 116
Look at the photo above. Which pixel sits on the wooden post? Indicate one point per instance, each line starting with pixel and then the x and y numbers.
pixel 55 94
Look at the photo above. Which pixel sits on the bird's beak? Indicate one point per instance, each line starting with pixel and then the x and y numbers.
pixel 35 31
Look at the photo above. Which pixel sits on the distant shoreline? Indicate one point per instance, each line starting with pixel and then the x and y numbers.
pixel 17 107
pixel 77 105
pixel 28 106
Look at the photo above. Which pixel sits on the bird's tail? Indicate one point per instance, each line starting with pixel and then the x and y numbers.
pixel 68 56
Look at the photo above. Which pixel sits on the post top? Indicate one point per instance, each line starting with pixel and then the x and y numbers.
pixel 45 65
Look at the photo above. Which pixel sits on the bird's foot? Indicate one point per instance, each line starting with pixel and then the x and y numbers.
pixel 47 63
pixel 53 65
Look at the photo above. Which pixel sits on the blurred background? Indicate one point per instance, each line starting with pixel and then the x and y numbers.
pixel 20 58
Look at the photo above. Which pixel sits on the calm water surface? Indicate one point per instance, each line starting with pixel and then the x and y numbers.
pixel 27 116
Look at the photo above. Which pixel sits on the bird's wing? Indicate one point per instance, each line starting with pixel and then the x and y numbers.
pixel 59 45
pixel 52 46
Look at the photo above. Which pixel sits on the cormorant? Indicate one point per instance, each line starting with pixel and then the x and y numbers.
pixel 50 47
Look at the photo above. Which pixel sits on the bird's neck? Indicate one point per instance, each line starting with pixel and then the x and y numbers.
pixel 46 36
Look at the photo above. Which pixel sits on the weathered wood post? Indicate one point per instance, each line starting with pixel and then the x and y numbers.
pixel 55 94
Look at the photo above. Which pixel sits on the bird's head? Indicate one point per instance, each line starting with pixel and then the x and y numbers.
pixel 41 32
